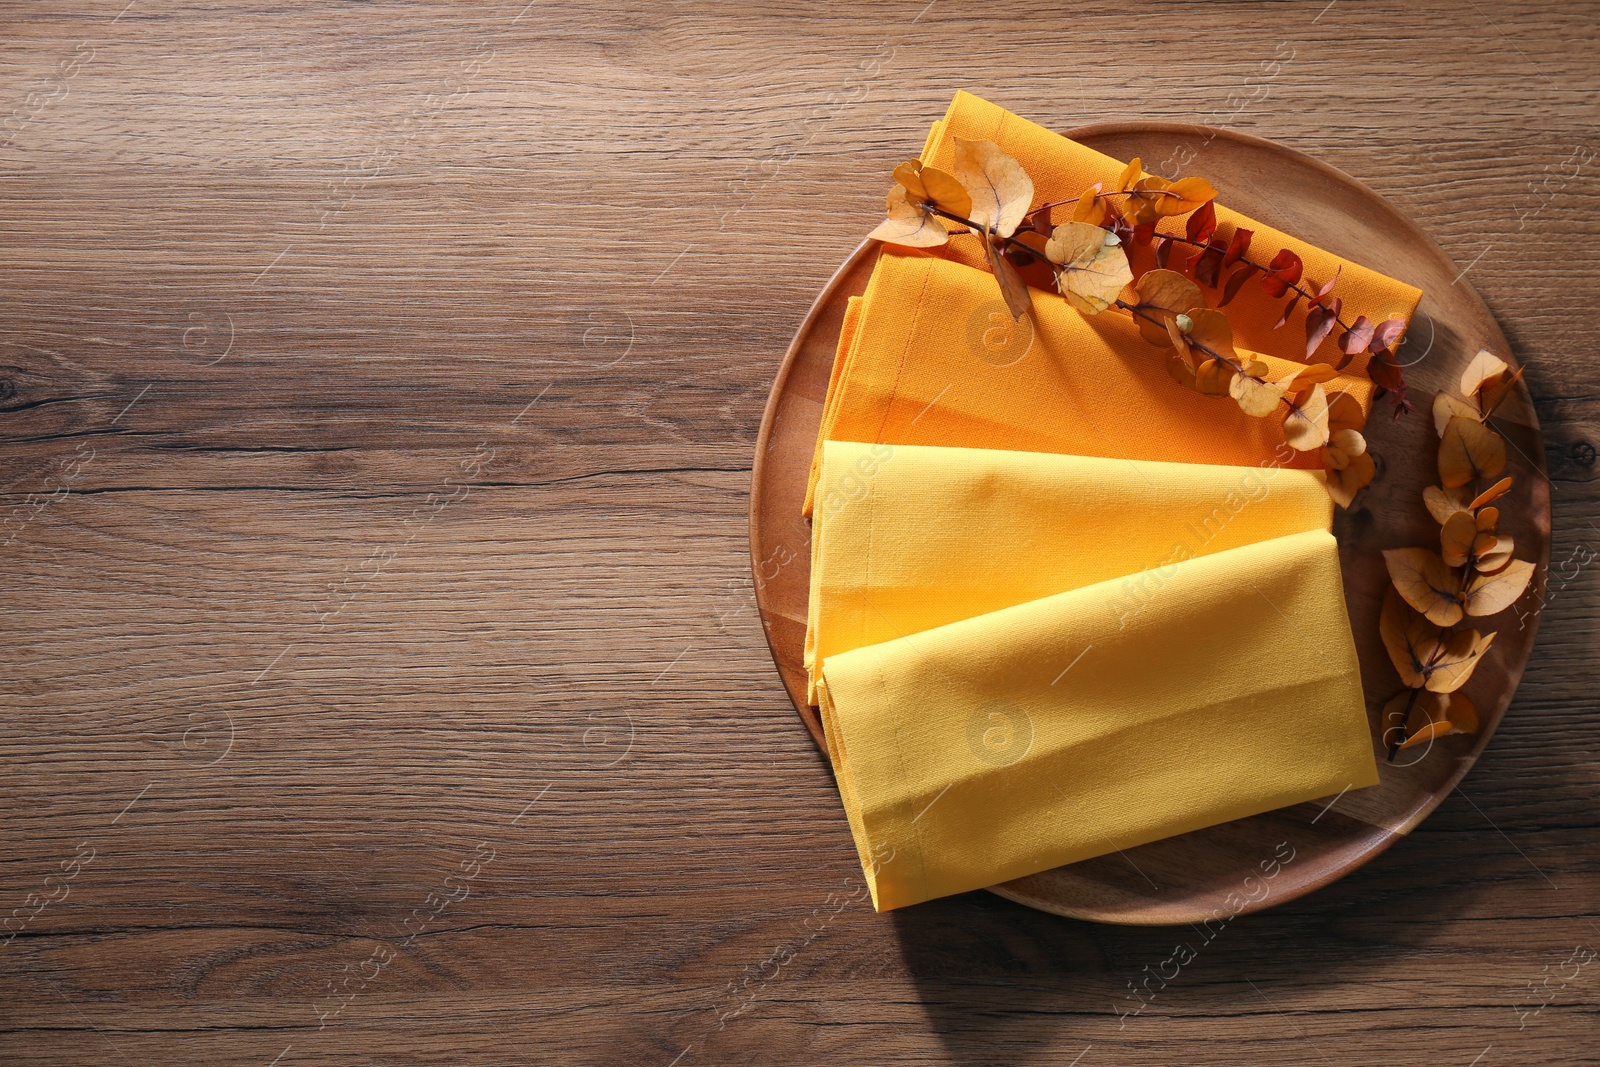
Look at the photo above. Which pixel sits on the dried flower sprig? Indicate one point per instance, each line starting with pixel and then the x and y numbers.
pixel 1472 574
pixel 988 194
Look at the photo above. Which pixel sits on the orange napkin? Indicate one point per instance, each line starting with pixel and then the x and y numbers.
pixel 1061 169
pixel 931 356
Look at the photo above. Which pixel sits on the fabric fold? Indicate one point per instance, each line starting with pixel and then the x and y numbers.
pixel 1054 731
pixel 910 537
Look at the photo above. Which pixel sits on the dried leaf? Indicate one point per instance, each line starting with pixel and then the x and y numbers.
pixel 1012 287
pixel 1208 264
pixel 1306 427
pixel 1238 246
pixel 1409 638
pixel 1180 368
pixel 1091 267
pixel 1491 552
pixel 1190 193
pixel 1202 223
pixel 1288 309
pixel 1493 395
pixel 1256 397
pixel 1386 334
pixel 1210 334
pixel 909 225
pixel 1001 190
pixel 1485 368
pixel 1320 322
pixel 1456 538
pixel 1356 475
pixel 1163 251
pixel 1089 207
pixel 1283 272
pixel 1489 593
pixel 1386 373
pixel 1488 518
pixel 1427 732
pixel 1315 374
pixel 1443 503
pixel 1161 295
pixel 1463 714
pixel 1456 658
pixel 1236 282
pixel 1494 492
pixel 1447 406
pixel 929 184
pixel 1344 411
pixel 1214 378
pixel 1426 583
pixel 1469 450
pixel 1130 174
pixel 1327 286
pixel 1342 447
pixel 1357 337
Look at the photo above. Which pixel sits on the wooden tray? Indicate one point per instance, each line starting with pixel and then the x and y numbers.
pixel 1224 870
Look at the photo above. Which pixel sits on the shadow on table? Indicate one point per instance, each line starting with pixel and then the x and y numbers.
pixel 1001 983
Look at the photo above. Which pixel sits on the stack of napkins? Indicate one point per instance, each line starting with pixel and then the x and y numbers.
pixel 1061 605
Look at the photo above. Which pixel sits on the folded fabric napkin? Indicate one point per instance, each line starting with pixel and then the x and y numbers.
pixel 1054 731
pixel 1062 168
pixel 930 355
pixel 908 537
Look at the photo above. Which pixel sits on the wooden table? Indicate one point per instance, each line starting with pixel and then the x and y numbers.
pixel 382 679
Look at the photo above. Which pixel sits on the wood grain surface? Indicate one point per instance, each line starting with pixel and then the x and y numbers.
pixel 382 681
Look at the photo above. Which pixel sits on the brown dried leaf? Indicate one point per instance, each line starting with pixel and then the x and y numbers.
pixel 1456 538
pixel 1447 406
pixel 1320 322
pixel 1489 593
pixel 1426 582
pixel 1012 287
pixel 1469 450
pixel 1235 282
pixel 1493 395
pixel 1091 267
pixel 909 225
pixel 1484 369
pixel 1090 208
pixel 1455 661
pixel 1488 518
pixel 1494 492
pixel 1426 732
pixel 1491 552
pixel 1256 397
pixel 1210 334
pixel 1283 272
pixel 1214 378
pixel 1000 189
pixel 1306 427
pixel 1162 295
pixel 1443 503
pixel 1463 714
pixel 929 184
pixel 1409 638
pixel 1344 410
pixel 1344 483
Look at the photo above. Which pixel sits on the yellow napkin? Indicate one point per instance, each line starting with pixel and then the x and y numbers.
pixel 1062 168
pixel 1053 731
pixel 930 355
pixel 909 537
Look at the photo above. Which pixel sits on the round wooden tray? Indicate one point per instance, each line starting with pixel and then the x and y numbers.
pixel 1222 871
